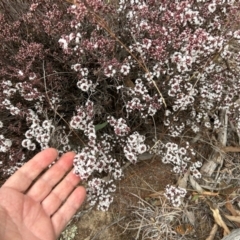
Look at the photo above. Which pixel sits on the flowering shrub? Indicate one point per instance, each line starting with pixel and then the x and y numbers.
pixel 89 77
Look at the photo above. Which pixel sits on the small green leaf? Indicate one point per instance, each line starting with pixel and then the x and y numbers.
pixel 195 197
pixel 100 126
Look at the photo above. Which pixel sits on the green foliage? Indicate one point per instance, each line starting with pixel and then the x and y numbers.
pixel 101 126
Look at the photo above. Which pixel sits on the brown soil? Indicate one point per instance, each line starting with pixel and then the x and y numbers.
pixel 141 180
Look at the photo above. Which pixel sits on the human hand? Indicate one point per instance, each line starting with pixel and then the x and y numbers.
pixel 38 207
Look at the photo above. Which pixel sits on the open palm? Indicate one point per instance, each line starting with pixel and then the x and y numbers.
pixel 38 207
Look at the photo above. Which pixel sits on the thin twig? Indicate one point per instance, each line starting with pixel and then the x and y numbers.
pixel 55 110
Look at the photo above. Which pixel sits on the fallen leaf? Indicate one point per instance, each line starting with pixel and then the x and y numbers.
pixel 233 218
pixel 195 185
pixel 213 232
pixel 231 149
pixel 218 219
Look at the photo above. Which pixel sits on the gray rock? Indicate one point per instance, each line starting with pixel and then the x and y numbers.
pixel 234 235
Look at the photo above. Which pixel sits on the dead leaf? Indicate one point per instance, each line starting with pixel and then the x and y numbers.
pixel 128 83
pixel 231 149
pixel 213 232
pixel 230 208
pixel 182 182
pixel 233 218
pixel 229 190
pixel 217 217
pixel 207 194
pixel 195 185
pixel 191 216
pixel 156 194
pixel 238 212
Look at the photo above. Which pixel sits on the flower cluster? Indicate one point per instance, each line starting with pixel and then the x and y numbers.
pixel 134 146
pixel 194 171
pixel 178 156
pixel 109 71
pixel 5 144
pixel 120 126
pixel 28 92
pixel 96 157
pixel 125 69
pixel 83 83
pixel 141 100
pixel 84 117
pixel 100 190
pixel 41 133
pixel 9 106
pixel 175 194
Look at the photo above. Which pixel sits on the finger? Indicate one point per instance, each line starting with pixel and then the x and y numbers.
pixel 49 179
pixel 22 179
pixel 68 209
pixel 60 193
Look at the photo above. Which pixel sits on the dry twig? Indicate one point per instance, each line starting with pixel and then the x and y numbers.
pixel 213 232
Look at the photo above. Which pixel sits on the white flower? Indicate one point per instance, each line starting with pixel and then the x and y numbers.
pixel 64 140
pixel 197 164
pixel 168 157
pixel 212 7
pixel 46 124
pixel 109 71
pixel 3 148
pixel 6 102
pixel 182 191
pixel 29 133
pixel 66 148
pixel 131 157
pixel 197 174
pixel 176 169
pixel 32 76
pixel 9 92
pixel 14 110
pixel 20 73
pixel 125 69
pixel 26 143
pixel 76 67
pixel 92 136
pixel 63 43
pixel 7 83
pixel 182 151
pixel 166 122
pixel 8 142
pixel 84 84
pixel 207 124
pixel 1 124
pixel 84 72
pixel 174 147
pixel 44 138
pixel 32 147
pixel 141 148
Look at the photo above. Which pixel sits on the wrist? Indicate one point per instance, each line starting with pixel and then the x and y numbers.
pixel 3 216
pixel 7 227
